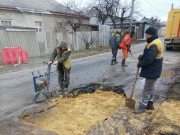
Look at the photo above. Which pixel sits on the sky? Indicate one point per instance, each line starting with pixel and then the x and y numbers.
pixel 149 8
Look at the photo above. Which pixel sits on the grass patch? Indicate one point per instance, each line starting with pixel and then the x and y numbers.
pixel 38 60
pixel 89 52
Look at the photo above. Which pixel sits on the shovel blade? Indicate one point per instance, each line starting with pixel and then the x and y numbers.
pixel 130 103
pixel 39 96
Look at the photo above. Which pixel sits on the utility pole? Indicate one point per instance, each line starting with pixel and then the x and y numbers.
pixel 132 8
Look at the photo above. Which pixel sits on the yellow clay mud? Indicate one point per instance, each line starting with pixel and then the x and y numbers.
pixel 75 116
pixel 167 118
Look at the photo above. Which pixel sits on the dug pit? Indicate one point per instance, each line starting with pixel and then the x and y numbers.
pixel 75 115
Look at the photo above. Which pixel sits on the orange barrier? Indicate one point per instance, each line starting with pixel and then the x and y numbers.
pixel 14 55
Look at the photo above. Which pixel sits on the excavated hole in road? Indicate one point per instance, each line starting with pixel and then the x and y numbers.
pixel 82 109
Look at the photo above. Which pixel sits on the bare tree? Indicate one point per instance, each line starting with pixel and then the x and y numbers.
pixel 125 13
pixel 74 14
pixel 156 22
pixel 103 9
pixel 118 11
pixel 114 13
pixel 88 38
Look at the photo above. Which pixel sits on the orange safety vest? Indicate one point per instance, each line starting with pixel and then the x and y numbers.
pixel 126 41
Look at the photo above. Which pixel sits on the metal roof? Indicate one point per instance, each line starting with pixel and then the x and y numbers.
pixel 43 5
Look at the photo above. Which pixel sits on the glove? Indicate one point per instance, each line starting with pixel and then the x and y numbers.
pixel 140 57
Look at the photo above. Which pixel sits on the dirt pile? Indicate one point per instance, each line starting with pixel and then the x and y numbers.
pixel 75 116
pixel 167 119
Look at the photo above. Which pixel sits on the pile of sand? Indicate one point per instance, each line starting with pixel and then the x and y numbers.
pixel 167 119
pixel 75 116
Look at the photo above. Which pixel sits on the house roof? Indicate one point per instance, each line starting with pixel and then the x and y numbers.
pixel 44 5
pixel 19 27
pixel 147 20
pixel 36 6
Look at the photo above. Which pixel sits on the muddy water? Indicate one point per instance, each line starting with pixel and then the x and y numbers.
pixel 75 116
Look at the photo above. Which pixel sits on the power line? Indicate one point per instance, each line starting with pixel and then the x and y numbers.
pixel 152 5
pixel 177 7
pixel 159 11
pixel 165 11
pixel 157 15
pixel 147 8
pixel 163 3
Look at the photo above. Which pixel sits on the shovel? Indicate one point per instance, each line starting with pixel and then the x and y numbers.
pixel 131 54
pixel 129 102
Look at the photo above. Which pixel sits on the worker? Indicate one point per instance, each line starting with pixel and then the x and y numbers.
pixel 126 46
pixel 63 63
pixel 151 64
pixel 114 43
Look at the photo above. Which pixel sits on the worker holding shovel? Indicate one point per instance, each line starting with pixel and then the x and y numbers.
pixel 126 46
pixel 63 63
pixel 151 64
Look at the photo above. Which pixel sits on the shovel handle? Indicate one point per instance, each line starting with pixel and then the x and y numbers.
pixel 134 83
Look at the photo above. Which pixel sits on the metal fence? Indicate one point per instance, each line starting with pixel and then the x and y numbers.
pixel 40 43
pixel 26 40
pixel 34 43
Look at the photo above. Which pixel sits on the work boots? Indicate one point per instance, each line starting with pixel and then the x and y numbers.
pixel 115 61
pixel 112 62
pixel 140 110
pixel 66 88
pixel 123 62
pixel 61 87
pixel 150 105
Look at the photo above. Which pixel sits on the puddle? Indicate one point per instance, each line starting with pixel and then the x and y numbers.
pixel 164 61
pixel 170 61
pixel 89 106
pixel 167 73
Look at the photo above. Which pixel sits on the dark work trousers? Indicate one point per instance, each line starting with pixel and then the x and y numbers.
pixel 64 75
pixel 114 53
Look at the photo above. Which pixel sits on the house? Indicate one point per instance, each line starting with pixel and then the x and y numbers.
pixel 45 15
pixel 48 17
pixel 126 22
pixel 144 23
pixel 50 20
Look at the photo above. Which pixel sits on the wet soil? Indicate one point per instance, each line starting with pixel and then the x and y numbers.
pixel 78 111
pixel 167 119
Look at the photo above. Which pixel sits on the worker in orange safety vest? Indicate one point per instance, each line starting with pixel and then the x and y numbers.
pixel 126 46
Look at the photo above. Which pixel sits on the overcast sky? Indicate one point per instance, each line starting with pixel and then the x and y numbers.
pixel 150 8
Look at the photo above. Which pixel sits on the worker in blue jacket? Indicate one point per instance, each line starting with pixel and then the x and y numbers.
pixel 114 43
pixel 151 66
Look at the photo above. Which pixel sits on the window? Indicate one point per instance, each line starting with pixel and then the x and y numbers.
pixel 6 22
pixel 38 25
pixel 59 25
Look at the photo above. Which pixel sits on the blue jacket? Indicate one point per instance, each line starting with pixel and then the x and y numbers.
pixel 152 60
pixel 114 41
